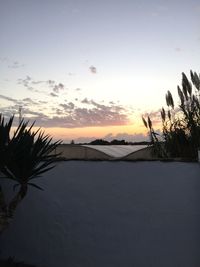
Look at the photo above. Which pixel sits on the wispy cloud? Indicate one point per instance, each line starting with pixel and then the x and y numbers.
pixel 125 136
pixel 178 49
pixel 95 115
pixel 154 115
pixel 29 101
pixel 8 98
pixel 93 69
pixel 109 137
pixel 32 85
pixel 12 64
pixel 111 105
pixel 15 65
pixel 67 114
pixel 82 117
pixel 50 82
pixel 54 95
pixel 3 59
pixel 26 82
pixel 29 81
pixel 71 74
pixel 37 82
pixel 85 101
pixel 58 87
pixel 27 105
pixel 68 107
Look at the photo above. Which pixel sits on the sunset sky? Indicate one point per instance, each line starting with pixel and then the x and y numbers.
pixel 88 69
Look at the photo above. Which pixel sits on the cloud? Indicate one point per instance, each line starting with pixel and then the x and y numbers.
pixel 81 117
pixel 92 102
pixel 8 98
pixel 113 106
pixel 71 74
pixel 26 82
pixel 4 59
pixel 154 116
pixel 80 140
pixel 30 84
pixel 178 49
pixel 27 112
pixel 93 69
pixel 58 87
pixel 139 137
pixel 50 82
pixel 27 105
pixel 12 64
pixel 24 102
pixel 37 82
pixel 54 95
pixel 100 115
pixel 59 111
pixel 85 101
pixel 68 114
pixel 29 101
pixel 135 137
pixel 15 65
pixel 68 107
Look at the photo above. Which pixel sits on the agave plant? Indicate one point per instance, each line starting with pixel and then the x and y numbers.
pixel 23 157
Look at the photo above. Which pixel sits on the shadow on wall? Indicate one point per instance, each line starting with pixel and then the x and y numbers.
pixel 78 152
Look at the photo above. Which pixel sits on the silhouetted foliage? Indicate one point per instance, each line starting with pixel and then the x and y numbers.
pixel 118 142
pixel 24 156
pixel 180 126
pixel 99 142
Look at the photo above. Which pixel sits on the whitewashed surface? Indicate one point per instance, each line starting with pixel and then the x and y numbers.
pixel 117 151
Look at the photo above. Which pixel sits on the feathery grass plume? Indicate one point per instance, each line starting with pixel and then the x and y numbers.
pixel 154 142
pixel 169 99
pixel 181 131
pixel 144 121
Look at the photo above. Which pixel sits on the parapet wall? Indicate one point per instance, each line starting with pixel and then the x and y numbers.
pixel 78 152
pixel 142 154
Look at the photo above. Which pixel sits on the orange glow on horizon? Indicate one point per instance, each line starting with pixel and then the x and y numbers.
pixel 94 132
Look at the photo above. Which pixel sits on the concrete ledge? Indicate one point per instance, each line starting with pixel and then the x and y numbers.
pixel 142 154
pixel 78 152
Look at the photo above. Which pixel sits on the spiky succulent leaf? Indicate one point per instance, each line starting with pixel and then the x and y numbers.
pixel 30 153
